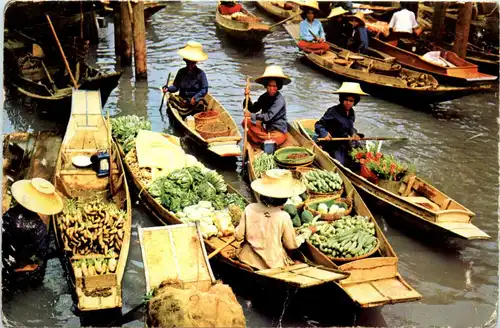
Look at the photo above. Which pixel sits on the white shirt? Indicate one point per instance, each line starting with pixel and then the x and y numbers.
pixel 403 21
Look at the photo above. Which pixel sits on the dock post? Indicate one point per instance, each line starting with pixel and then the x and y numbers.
pixel 462 29
pixel 438 18
pixel 140 53
pixel 117 26
pixel 126 34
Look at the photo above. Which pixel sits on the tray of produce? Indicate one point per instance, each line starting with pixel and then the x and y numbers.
pixel 294 156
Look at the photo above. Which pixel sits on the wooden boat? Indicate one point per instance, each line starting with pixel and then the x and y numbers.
pixel 383 79
pixel 301 276
pixel 463 72
pixel 26 156
pixel 416 199
pixel 224 146
pixel 276 11
pixel 86 134
pixel 373 281
pixel 249 32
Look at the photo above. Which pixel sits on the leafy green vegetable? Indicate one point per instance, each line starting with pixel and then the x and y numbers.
pixel 126 128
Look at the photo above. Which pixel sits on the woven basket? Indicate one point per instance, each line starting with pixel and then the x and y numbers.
pixel 210 116
pixel 327 216
pixel 343 259
pixel 213 130
pixel 336 194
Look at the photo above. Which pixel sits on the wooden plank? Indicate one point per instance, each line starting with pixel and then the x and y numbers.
pixel 299 280
pixel 465 230
pixel 395 290
pixel 272 272
pixel 365 294
pixel 370 269
pixel 320 274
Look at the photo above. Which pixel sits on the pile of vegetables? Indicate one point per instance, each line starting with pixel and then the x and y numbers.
pixel 95 266
pixel 322 181
pixel 126 128
pixel 212 222
pixel 188 186
pixel 348 237
pixel 263 163
pixel 328 207
pixel 91 227
pixel 298 219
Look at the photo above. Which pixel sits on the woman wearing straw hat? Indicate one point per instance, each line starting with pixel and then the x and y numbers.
pixel 190 81
pixel 25 240
pixel 271 122
pixel 312 35
pixel 336 27
pixel 358 41
pixel 267 230
pixel 338 121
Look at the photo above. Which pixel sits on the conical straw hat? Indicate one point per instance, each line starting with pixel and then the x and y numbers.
pixel 337 11
pixel 351 87
pixel 359 16
pixel 278 183
pixel 37 195
pixel 273 71
pixel 193 51
pixel 308 4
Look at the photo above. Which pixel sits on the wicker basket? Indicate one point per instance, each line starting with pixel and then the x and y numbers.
pixel 335 194
pixel 327 216
pixel 210 116
pixel 343 259
pixel 213 130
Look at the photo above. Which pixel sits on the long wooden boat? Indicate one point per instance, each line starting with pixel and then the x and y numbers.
pixel 219 146
pixel 383 79
pixel 463 72
pixel 86 134
pixel 416 199
pixel 300 276
pixel 373 281
pixel 273 9
pixel 248 32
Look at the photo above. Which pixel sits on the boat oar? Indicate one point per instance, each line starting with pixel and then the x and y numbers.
pixel 284 21
pixel 164 93
pixel 245 127
pixel 218 250
pixel 361 139
pixel 49 77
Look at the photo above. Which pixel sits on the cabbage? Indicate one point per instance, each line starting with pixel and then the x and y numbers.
pixel 323 208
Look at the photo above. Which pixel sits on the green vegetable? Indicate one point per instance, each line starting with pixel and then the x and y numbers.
pixel 290 209
pixel 296 221
pixel 126 128
pixel 263 163
pixel 306 217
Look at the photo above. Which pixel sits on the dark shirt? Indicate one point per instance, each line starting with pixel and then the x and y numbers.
pixel 273 112
pixel 336 32
pixel 336 122
pixel 190 84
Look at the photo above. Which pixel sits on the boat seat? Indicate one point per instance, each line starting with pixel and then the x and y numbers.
pixel 422 201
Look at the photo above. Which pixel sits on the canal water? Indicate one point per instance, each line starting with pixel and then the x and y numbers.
pixel 454 145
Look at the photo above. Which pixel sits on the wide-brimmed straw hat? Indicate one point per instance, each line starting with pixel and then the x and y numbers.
pixel 278 183
pixel 352 88
pixel 359 16
pixel 308 4
pixel 193 51
pixel 337 11
pixel 273 72
pixel 37 195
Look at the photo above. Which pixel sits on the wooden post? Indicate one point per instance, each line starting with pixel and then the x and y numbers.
pixel 462 29
pixel 140 55
pixel 438 18
pixel 117 25
pixel 126 35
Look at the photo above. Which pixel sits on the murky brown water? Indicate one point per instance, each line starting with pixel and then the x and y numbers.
pixel 458 279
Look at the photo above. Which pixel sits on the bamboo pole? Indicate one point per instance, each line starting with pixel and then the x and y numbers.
pixel 245 128
pixel 62 52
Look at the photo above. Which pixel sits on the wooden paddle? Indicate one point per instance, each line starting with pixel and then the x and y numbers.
pixel 163 97
pixel 218 250
pixel 360 139
pixel 245 128
pixel 285 20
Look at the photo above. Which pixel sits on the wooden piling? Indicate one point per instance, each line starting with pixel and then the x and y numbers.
pixel 126 35
pixel 438 18
pixel 140 54
pixel 117 26
pixel 462 29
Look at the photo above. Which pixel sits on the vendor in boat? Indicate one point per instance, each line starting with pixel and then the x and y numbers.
pixel 229 7
pixel 266 230
pixel 271 122
pixel 336 27
pixel 338 122
pixel 358 42
pixel 312 35
pixel 403 24
pixel 25 244
pixel 190 81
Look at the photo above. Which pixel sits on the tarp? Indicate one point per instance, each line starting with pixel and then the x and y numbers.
pixel 158 150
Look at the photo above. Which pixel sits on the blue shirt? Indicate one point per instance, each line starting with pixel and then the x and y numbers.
pixel 316 27
pixel 362 37
pixel 273 112
pixel 190 84
pixel 336 122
